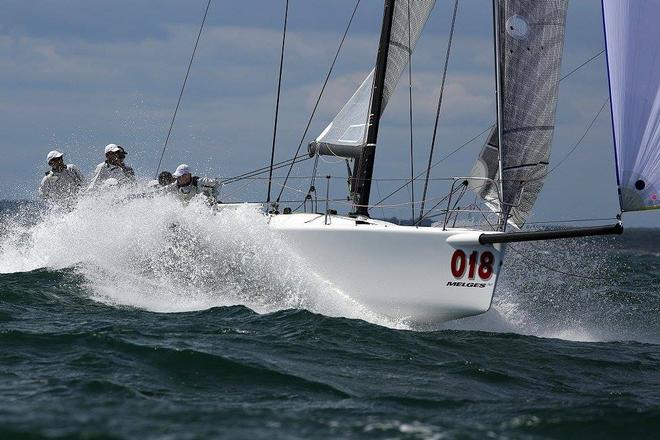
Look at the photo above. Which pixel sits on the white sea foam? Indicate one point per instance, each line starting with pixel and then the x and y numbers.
pixel 155 254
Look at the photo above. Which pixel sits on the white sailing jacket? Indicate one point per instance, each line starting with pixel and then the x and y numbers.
pixel 61 185
pixel 198 185
pixel 105 171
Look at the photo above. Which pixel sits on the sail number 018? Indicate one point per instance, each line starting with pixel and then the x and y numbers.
pixel 475 264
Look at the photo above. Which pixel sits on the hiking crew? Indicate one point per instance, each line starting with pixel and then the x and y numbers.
pixel 63 182
pixel 113 171
pixel 188 186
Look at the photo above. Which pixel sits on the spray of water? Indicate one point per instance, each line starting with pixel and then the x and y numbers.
pixel 154 253
pixel 609 299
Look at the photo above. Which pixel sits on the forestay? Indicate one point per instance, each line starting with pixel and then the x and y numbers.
pixel 346 134
pixel 531 45
pixel 632 33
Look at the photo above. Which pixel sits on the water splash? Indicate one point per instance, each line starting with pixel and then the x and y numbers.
pixel 610 300
pixel 153 253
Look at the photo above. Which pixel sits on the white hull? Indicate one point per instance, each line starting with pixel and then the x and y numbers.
pixel 402 272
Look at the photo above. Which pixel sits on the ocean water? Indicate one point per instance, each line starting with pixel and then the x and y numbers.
pixel 135 318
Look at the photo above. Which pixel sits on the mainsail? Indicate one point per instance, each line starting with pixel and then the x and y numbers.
pixel 632 34
pixel 346 134
pixel 531 41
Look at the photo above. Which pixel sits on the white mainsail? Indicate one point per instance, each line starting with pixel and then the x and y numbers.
pixel 632 33
pixel 531 46
pixel 346 134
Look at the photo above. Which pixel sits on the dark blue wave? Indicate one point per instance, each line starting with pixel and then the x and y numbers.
pixel 72 367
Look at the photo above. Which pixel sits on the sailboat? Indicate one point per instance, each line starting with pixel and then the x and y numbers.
pixel 428 275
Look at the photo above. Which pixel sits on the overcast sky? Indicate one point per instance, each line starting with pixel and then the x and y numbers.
pixel 78 74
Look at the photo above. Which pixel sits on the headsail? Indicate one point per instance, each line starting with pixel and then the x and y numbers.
pixel 346 134
pixel 531 44
pixel 348 131
pixel 632 36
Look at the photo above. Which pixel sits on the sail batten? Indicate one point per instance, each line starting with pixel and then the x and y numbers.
pixel 633 61
pixel 531 40
pixel 346 135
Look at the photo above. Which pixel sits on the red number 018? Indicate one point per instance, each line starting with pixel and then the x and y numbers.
pixel 460 262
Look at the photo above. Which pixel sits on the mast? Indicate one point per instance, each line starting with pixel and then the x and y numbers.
pixel 498 102
pixel 364 164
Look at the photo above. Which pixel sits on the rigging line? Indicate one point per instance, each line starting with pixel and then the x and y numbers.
pixel 256 173
pixel 410 108
pixel 456 150
pixel 277 103
pixel 553 269
pixel 437 114
pixel 484 131
pixel 577 144
pixel 311 176
pixel 261 202
pixel 297 208
pixel 456 208
pixel 550 222
pixel 290 188
pixel 237 190
pixel 589 126
pixel 382 208
pixel 418 222
pixel 183 87
pixel 325 84
pixel 582 65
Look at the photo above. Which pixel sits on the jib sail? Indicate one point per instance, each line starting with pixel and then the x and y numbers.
pixel 346 134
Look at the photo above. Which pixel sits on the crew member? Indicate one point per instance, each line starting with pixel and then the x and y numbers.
pixel 113 169
pixel 63 182
pixel 188 186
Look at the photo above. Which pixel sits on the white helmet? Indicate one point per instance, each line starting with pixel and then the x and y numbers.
pixel 53 155
pixel 114 148
pixel 181 170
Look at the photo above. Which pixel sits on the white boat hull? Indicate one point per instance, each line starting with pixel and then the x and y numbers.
pixel 402 272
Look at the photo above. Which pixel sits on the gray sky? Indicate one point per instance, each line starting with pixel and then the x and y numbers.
pixel 78 74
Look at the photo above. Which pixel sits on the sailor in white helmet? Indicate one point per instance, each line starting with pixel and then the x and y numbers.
pixel 112 168
pixel 63 182
pixel 188 186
